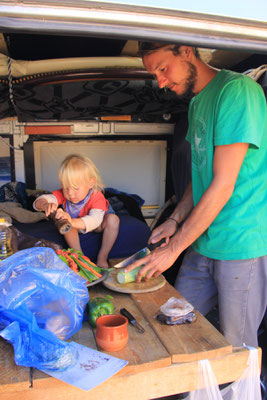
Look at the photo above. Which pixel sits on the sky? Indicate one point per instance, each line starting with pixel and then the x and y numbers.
pixel 256 9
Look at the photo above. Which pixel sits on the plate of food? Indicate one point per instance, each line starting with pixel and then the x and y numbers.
pixel 83 266
pixel 104 276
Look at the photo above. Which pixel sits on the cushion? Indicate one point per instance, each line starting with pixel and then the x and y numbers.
pixel 133 236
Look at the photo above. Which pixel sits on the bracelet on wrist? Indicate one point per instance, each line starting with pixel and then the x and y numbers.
pixel 173 219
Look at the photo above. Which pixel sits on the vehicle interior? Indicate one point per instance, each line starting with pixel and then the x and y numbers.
pixel 77 86
pixel 71 81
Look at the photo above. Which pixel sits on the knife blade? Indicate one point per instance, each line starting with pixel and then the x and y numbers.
pixel 132 320
pixel 139 254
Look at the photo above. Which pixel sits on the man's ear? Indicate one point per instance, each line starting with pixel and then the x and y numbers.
pixel 187 51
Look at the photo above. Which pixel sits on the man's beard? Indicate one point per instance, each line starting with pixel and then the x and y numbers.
pixel 188 92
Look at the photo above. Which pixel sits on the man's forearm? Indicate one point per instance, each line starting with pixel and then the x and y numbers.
pixel 201 217
pixel 185 206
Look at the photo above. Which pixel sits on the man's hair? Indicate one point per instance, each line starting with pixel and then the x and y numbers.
pixel 145 48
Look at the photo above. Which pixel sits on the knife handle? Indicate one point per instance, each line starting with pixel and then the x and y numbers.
pixel 153 246
pixel 128 315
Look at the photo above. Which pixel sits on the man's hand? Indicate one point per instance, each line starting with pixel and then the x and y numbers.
pixel 161 258
pixel 163 231
pixel 156 262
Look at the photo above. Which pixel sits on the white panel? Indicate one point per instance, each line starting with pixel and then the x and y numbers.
pixel 137 167
pixel 143 128
pixel 19 166
pixel 4 127
pixel 89 127
pixel 121 128
pixel 19 158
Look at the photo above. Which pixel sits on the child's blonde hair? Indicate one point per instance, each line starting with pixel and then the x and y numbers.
pixel 77 169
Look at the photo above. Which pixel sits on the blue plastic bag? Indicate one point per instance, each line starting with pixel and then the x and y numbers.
pixel 37 280
pixel 33 346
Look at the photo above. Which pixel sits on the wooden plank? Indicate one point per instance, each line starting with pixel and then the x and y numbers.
pixel 85 336
pixel 144 350
pixel 151 384
pixel 187 342
pixel 10 373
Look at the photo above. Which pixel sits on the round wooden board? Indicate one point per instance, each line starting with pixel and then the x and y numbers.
pixel 134 287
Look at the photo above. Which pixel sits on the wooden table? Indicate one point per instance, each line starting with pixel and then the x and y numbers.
pixel 161 362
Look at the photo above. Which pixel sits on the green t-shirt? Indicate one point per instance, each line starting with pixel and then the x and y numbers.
pixel 231 109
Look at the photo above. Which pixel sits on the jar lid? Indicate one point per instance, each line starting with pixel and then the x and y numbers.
pixel 3 221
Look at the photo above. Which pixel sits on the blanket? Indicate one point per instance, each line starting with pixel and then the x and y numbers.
pixel 20 214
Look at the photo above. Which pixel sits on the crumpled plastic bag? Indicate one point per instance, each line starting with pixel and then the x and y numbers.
pixel 33 346
pixel 247 387
pixel 176 311
pixel 176 307
pixel 39 281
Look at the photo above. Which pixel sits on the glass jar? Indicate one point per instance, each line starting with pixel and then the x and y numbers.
pixel 5 239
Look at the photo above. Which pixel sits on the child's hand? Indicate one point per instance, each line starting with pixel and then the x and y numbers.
pixel 48 208
pixel 61 214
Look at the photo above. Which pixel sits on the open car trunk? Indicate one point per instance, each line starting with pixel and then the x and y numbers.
pixel 71 81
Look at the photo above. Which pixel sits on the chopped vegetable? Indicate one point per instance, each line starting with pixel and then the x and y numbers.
pixel 80 264
pixel 91 274
pixel 63 259
pixel 88 260
pixel 86 266
pixel 128 277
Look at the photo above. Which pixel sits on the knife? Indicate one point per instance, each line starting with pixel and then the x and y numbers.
pixel 132 320
pixel 139 254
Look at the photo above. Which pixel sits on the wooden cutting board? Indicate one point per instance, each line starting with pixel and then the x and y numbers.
pixel 134 287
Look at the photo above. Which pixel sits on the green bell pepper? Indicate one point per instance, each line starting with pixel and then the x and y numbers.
pixel 97 307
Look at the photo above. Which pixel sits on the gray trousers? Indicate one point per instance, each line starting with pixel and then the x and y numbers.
pixel 239 287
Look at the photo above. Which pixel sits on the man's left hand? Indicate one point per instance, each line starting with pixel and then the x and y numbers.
pixel 154 263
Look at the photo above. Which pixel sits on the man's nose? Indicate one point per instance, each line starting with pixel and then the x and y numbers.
pixel 161 81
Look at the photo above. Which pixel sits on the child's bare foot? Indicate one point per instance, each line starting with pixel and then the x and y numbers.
pixel 102 262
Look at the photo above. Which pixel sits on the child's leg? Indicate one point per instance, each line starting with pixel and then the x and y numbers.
pixel 110 228
pixel 72 239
